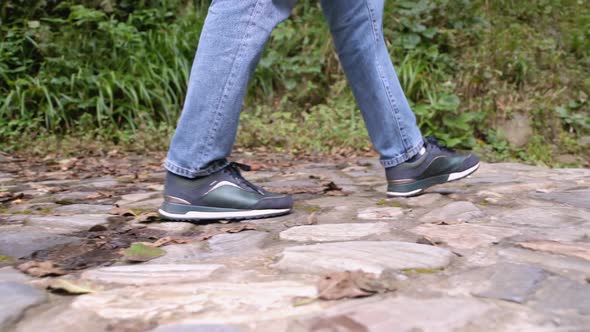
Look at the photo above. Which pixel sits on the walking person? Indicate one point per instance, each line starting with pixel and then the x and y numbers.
pixel 202 184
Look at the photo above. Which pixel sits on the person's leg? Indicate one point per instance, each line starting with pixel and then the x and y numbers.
pixel 200 183
pixel 411 163
pixel 356 27
pixel 230 46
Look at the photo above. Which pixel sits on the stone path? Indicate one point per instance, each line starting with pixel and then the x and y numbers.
pixel 507 249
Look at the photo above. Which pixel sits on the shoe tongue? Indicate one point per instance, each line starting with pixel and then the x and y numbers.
pixel 417 155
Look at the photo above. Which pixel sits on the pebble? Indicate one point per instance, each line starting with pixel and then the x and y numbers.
pixel 333 232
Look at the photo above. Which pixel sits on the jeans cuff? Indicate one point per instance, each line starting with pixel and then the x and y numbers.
pixel 188 173
pixel 391 162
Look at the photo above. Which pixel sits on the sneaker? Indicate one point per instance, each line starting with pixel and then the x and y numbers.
pixel 224 194
pixel 435 164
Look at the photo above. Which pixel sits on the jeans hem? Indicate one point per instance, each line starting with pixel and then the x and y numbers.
pixel 391 162
pixel 210 169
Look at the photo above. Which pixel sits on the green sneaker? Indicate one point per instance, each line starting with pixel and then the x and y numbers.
pixel 435 164
pixel 224 194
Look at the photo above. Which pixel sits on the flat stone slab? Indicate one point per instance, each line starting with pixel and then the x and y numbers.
pixel 207 302
pixel 398 314
pixel 456 212
pixel 464 236
pixel 198 328
pixel 380 213
pixel 151 274
pixel 578 198
pixel 369 256
pixel 82 209
pixel 76 222
pixel 557 217
pixel 11 274
pixel 15 298
pixel 23 242
pixel 334 232
pixel 509 282
pixel 562 294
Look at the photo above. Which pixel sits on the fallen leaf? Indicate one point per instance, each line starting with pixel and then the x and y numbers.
pixel 74 287
pixel 166 241
pixel 427 240
pixel 579 250
pixel 40 269
pixel 351 284
pixel 139 252
pixel 148 217
pixel 212 230
pixel 119 211
pixel 330 186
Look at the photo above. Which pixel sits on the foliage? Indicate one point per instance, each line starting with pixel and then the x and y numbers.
pixel 116 71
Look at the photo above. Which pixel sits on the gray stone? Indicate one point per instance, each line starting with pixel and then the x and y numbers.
pixel 456 212
pixel 402 314
pixel 151 274
pixel 380 213
pixel 425 200
pixel 73 196
pixel 11 274
pixel 15 298
pixel 74 222
pixel 562 294
pixel 82 209
pixel 464 236
pixel 20 243
pixel 579 198
pixel 517 129
pixel 61 318
pixel 198 328
pixel 369 256
pixel 555 263
pixel 137 197
pixel 556 217
pixel 219 245
pixel 150 204
pixel 509 282
pixel 204 302
pixel 334 232
pixel 100 183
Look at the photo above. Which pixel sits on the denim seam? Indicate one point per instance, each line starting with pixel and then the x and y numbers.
pixel 177 169
pixel 390 98
pixel 390 162
pixel 228 85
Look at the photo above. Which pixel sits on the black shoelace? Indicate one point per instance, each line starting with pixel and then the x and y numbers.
pixel 438 144
pixel 234 170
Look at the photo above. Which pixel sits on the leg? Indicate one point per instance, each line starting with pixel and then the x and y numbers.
pixel 230 46
pixel 356 27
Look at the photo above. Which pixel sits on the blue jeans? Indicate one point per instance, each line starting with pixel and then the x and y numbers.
pixel 230 46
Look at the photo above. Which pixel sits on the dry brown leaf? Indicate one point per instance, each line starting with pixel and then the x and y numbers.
pixel 119 211
pixel 579 250
pixel 148 217
pixel 212 231
pixel 40 269
pixel 166 241
pixel 351 284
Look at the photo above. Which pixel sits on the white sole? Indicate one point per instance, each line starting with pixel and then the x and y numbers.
pixel 452 177
pixel 198 215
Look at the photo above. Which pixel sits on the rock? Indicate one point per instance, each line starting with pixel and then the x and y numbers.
pixel 579 250
pixel 150 204
pixel 578 198
pixel 206 302
pixel 554 217
pixel 573 267
pixel 198 328
pixel 11 274
pixel 23 242
pixel 136 197
pixel 464 236
pixel 380 213
pixel 506 281
pixel 100 183
pixel 398 314
pixel 333 232
pixel 369 256
pixel 60 318
pixel 82 209
pixel 425 200
pixel 171 228
pixel 67 197
pixel 74 222
pixel 517 130
pixel 151 274
pixel 219 245
pixel 15 298
pixel 456 212
pixel 562 294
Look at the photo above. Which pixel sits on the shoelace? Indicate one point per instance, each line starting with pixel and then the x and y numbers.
pixel 438 144
pixel 234 170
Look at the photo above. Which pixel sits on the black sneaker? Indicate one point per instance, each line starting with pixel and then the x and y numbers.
pixel 222 195
pixel 435 164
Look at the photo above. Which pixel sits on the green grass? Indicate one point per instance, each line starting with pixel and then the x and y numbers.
pixel 79 76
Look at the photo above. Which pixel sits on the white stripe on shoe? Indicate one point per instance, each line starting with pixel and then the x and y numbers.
pixel 198 215
pixel 460 175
